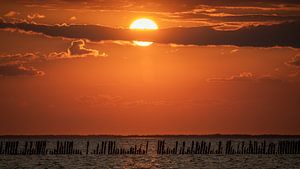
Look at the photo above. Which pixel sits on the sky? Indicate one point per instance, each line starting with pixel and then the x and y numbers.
pixel 72 67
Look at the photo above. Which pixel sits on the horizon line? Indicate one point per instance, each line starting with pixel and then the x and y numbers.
pixel 151 135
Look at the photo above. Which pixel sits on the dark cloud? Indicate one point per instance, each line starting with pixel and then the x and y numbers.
pixel 211 12
pixel 243 17
pixel 159 5
pixel 242 11
pixel 19 70
pixel 285 34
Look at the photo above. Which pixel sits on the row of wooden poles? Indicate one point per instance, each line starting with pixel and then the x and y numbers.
pixel 67 147
pixel 180 147
pixel 110 147
pixel 249 147
pixel 37 148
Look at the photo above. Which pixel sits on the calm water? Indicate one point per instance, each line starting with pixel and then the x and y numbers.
pixel 150 160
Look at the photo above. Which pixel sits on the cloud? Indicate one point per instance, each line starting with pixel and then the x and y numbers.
pixel 197 11
pixel 19 70
pixel 35 16
pixel 100 99
pixel 159 5
pixel 247 77
pixel 242 77
pixel 284 34
pixel 295 61
pixel 234 50
pixel 17 64
pixel 239 19
pixel 11 14
pixel 269 79
pixel 143 102
pixel 216 11
pixel 78 48
pixel 73 18
pixel 118 101
pixel 57 55
pixel 17 58
pixel 294 74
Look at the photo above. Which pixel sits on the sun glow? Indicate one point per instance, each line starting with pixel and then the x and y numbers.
pixel 143 24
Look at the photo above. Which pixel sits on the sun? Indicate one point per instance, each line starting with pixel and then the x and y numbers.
pixel 143 24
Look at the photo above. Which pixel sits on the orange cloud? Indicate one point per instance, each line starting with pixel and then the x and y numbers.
pixel 35 16
pixel 19 70
pixel 11 14
pixel 73 18
pixel 246 77
pixel 295 61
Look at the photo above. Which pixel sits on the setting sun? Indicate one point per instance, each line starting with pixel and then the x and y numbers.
pixel 143 24
pixel 149 84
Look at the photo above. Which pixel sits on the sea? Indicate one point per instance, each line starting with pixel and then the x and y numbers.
pixel 150 152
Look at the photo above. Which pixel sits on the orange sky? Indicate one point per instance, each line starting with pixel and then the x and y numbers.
pixel 59 82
